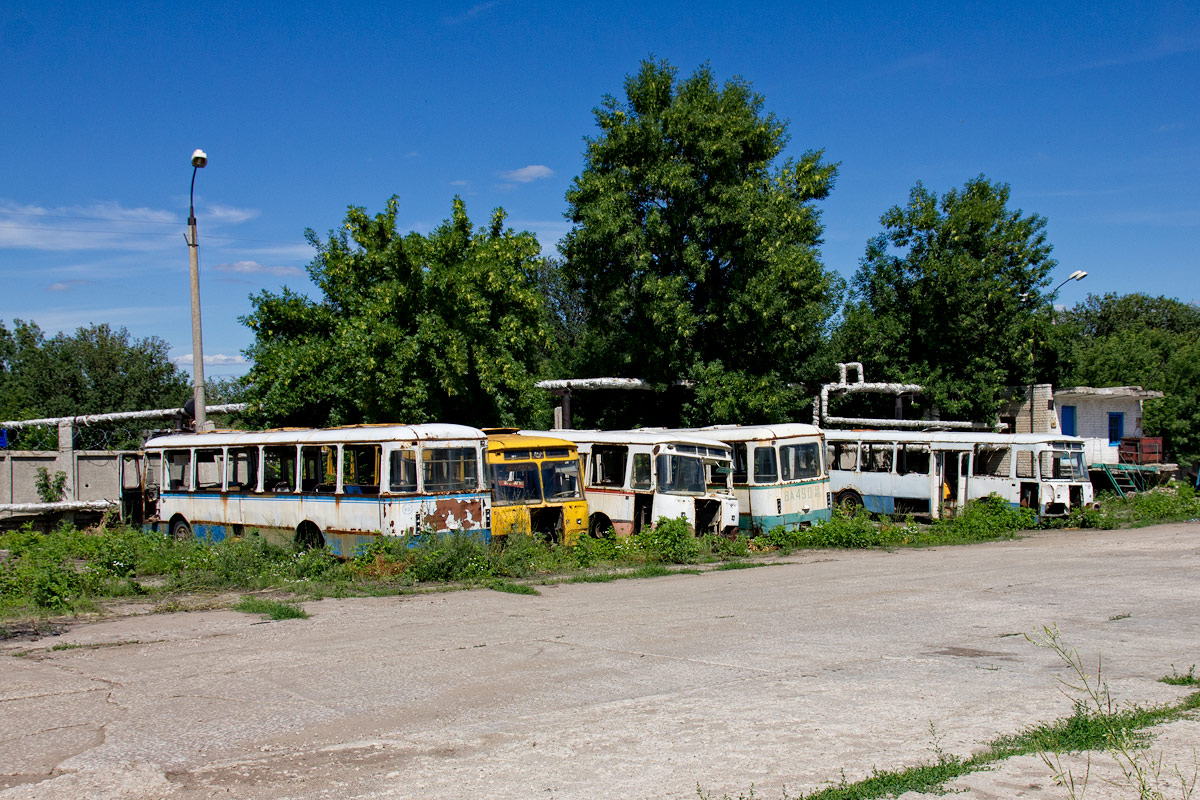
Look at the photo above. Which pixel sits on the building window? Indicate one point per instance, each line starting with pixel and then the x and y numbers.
pixel 1116 427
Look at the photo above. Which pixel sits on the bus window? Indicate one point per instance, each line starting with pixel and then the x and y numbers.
pixel 843 456
pixel 242 469
pixel 450 469
pixel 765 468
pixel 992 461
pixel 360 468
pixel 179 463
pixel 1024 464
pixel 560 479
pixel 608 465
pixel 209 470
pixel 279 469
pixel 403 479
pixel 317 468
pixel 912 459
pixel 740 471
pixel 680 474
pixel 641 472
pixel 153 469
pixel 799 461
pixel 877 456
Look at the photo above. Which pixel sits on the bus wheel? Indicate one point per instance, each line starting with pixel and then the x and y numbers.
pixel 849 501
pixel 599 526
pixel 180 530
pixel 309 537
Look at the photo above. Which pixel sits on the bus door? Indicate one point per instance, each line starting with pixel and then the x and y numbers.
pixel 402 505
pixel 641 480
pixel 952 473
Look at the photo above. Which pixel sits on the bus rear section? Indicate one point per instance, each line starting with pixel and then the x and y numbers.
pixel 635 478
pixel 537 487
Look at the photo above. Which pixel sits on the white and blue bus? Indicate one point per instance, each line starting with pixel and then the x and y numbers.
pixel 931 474
pixel 779 475
pixel 339 488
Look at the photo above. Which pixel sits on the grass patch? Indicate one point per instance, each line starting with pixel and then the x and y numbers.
pixel 511 587
pixel 92 646
pixel 1187 679
pixel 270 608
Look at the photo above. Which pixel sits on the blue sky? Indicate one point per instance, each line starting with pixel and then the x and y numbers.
pixel 1091 112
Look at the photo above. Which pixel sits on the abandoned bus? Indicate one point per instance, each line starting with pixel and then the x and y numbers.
pixel 934 473
pixel 779 477
pixel 634 478
pixel 536 486
pixel 335 487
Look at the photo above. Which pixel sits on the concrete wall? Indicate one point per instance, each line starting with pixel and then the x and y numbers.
pixel 91 474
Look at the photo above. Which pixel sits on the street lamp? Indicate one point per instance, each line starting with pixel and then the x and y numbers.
pixel 199 159
pixel 1077 275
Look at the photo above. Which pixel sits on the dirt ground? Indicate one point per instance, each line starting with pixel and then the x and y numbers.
pixel 785 677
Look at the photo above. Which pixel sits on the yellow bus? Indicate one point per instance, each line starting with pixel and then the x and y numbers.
pixel 536 487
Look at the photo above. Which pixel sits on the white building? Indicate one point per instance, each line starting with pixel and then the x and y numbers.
pixel 1103 416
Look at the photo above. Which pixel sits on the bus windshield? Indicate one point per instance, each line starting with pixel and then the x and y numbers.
pixel 516 484
pixel 561 480
pixel 680 474
pixel 1063 465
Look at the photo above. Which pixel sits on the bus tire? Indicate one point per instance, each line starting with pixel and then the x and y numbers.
pixel 849 500
pixel 599 526
pixel 309 536
pixel 180 530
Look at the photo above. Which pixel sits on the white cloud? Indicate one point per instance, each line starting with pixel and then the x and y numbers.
pixel 533 172
pixel 230 214
pixel 255 268
pixel 68 285
pixel 99 226
pixel 472 12
pixel 214 360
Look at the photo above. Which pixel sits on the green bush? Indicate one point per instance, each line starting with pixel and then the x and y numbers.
pixel 985 519
pixel 670 541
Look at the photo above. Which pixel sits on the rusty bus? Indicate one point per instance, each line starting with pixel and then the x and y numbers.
pixel 932 474
pixel 326 487
pixel 536 486
pixel 634 478
pixel 779 475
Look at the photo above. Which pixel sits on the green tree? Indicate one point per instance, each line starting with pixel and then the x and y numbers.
pixel 1139 340
pixel 952 295
pixel 93 371
pixel 691 255
pixel 410 328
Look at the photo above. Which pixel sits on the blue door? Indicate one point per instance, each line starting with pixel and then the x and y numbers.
pixel 1116 427
pixel 1068 420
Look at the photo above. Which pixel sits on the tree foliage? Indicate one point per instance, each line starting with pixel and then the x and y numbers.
pixel 409 328
pixel 952 295
pixel 93 371
pixel 692 256
pixel 1138 340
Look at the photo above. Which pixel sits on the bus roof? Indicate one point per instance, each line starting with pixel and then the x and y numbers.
pixel 755 433
pixel 642 436
pixel 525 441
pixel 949 437
pixel 350 433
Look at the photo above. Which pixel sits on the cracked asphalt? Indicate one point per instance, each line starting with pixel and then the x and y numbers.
pixel 785 676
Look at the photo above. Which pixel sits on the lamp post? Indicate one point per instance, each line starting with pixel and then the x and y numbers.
pixel 199 159
pixel 1077 275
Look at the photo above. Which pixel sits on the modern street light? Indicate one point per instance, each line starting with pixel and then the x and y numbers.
pixel 199 159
